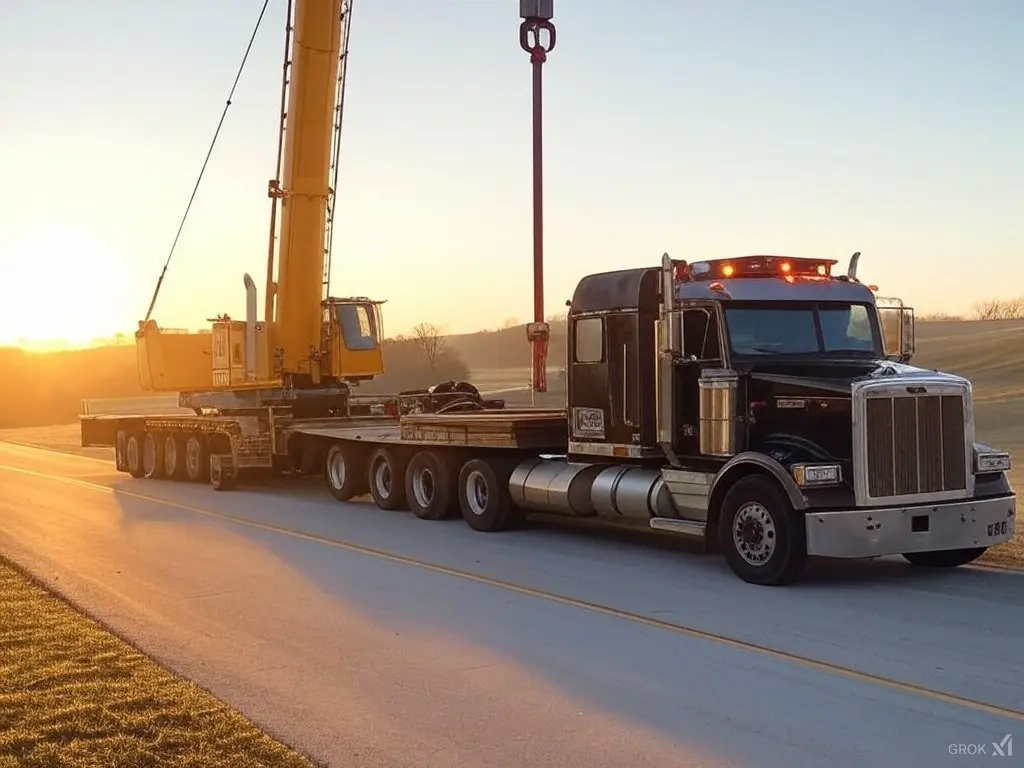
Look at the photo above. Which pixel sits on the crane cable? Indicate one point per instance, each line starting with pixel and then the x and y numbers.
pixel 209 152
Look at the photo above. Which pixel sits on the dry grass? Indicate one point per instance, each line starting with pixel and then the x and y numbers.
pixel 74 696
pixel 991 355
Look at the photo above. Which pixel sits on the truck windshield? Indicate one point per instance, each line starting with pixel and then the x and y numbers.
pixel 794 330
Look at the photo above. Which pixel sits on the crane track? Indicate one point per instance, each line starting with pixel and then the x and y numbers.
pixel 827 667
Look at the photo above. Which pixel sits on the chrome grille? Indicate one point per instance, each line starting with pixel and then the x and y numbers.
pixel 915 445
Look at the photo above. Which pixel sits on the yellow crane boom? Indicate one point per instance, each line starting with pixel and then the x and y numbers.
pixel 309 342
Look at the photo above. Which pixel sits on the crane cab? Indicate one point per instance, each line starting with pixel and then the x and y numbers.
pixel 353 331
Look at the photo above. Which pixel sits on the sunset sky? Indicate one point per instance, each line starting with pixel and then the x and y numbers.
pixel 705 129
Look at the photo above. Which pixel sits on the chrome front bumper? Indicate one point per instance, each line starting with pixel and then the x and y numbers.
pixel 893 530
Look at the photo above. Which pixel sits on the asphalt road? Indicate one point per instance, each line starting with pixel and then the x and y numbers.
pixel 371 638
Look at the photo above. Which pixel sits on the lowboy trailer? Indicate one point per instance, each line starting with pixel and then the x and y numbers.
pixel 762 405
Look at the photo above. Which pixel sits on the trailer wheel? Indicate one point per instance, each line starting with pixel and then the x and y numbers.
pixel 121 451
pixel 223 473
pixel 431 486
pixel 386 475
pixel 197 459
pixel 133 455
pixel 345 470
pixel 174 456
pixel 484 498
pixel 152 455
pixel 763 538
pixel 944 558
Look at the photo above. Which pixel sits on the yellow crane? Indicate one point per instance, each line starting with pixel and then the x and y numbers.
pixel 310 346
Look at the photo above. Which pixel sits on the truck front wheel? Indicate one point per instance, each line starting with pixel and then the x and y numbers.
pixel 944 558
pixel 763 538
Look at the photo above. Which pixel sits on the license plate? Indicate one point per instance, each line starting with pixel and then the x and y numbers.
pixel 998 529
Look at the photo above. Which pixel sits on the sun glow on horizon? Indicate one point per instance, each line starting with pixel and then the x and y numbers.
pixel 64 290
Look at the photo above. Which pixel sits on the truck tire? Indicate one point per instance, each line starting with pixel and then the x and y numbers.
pixel 133 455
pixel 385 473
pixel 945 558
pixel 762 537
pixel 431 486
pixel 196 459
pixel 174 456
pixel 345 471
pixel 152 455
pixel 484 498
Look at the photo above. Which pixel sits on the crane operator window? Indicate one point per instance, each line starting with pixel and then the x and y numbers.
pixel 358 326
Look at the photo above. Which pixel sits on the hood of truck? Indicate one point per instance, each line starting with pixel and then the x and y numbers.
pixel 801 410
pixel 828 378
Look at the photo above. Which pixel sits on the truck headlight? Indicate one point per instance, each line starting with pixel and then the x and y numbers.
pixel 817 474
pixel 991 461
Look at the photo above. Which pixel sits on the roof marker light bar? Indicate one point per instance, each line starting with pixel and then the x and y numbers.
pixel 755 266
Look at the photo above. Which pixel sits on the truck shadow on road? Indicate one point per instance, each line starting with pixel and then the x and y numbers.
pixel 820 572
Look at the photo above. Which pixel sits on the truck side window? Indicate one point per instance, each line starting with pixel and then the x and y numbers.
pixel 700 334
pixel 589 340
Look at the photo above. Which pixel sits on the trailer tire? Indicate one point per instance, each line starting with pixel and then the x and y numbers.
pixel 345 472
pixel 174 456
pixel 133 455
pixel 223 473
pixel 385 474
pixel 944 558
pixel 762 536
pixel 152 455
pixel 196 459
pixel 431 486
pixel 484 497
pixel 121 451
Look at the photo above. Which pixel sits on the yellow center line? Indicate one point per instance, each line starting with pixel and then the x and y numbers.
pixel 679 629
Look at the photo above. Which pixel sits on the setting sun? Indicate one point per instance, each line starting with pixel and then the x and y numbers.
pixel 63 289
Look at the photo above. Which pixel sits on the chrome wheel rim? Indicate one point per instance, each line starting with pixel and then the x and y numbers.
pixel 476 492
pixel 337 471
pixel 753 534
pixel 423 487
pixel 382 479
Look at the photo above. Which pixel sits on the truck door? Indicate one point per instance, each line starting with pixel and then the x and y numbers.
pixel 701 349
pixel 623 378
pixel 588 401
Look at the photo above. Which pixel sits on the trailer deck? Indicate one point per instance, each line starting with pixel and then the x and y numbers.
pixel 527 428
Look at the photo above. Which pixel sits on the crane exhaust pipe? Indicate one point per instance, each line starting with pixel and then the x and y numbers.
pixel 250 328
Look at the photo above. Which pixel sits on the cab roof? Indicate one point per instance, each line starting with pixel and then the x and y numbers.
pixel 639 289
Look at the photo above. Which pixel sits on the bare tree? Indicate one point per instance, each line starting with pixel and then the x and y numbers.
pixel 990 309
pixel 510 322
pixel 1000 309
pixel 431 343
